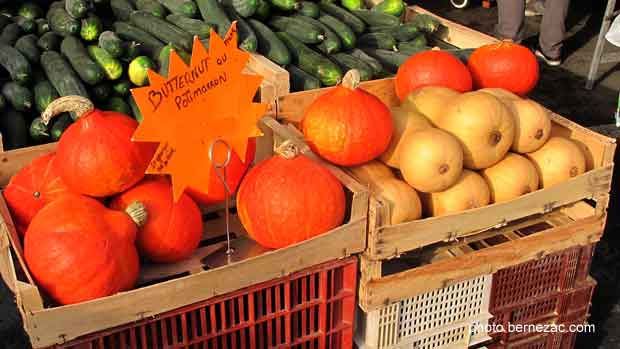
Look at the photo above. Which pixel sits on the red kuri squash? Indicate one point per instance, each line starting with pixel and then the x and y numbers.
pixel 95 155
pixel 432 68
pixel 282 201
pixel 347 125
pixel 79 250
pixel 173 229
pixel 33 187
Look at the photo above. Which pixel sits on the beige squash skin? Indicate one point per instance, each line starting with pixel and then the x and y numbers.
pixel 470 191
pixel 405 122
pixel 559 160
pixel 431 160
pixel 404 200
pixel 510 178
pixel 501 93
pixel 371 172
pixel 484 125
pixel 430 101
pixel 532 126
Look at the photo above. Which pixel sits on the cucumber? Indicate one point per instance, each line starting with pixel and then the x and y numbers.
pixel 426 23
pixel 300 80
pixel 263 10
pixel 77 8
pixel 122 9
pixel 61 23
pixel 247 37
pixel 27 45
pixel 17 95
pixel 27 25
pixel 57 4
pixel 345 16
pixel 30 10
pixel 348 62
pixel 118 105
pixel 352 4
pixel 89 71
pixel 417 44
pixel 331 43
pixel 2 102
pixel 138 70
pixel 38 131
pixel 4 21
pixel 308 9
pixel 182 7
pixel 403 32
pixel 44 94
pixel 121 88
pixel 382 41
pixel 300 30
pixel 101 92
pixel 245 8
pixel 42 26
pixel 389 59
pixel 162 29
pixel 15 63
pixel 62 76
pixel 345 33
pixel 149 44
pixel 131 50
pixel 49 41
pixel 59 125
pixel 374 18
pixel 269 44
pixel 285 5
pixel 164 57
pixel 10 34
pixel 212 12
pixel 311 62
pixel 110 42
pixel 390 7
pixel 110 65
pixel 376 66
pixel 91 28
pixel 193 26
pixel 135 111
pixel 151 6
pixel 14 130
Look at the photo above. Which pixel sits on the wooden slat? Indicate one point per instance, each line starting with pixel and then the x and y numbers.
pixel 7 268
pixel 276 75
pixel 13 160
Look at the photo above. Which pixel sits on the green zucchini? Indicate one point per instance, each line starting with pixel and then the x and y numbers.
pixel 151 6
pixel 42 26
pixel 44 94
pixel 374 18
pixel 348 62
pixel 403 32
pixel 263 10
pixel 4 21
pixel 27 45
pixel 345 16
pixel 389 59
pixel 109 41
pixel 10 34
pixel 122 9
pixel 308 9
pixel 415 45
pixel 49 41
pixel 247 38
pixel 149 44
pixel 331 43
pixel 352 4
pixel 345 33
pixel 135 111
pixel 101 92
pixel 59 125
pixel 390 7
pixel 57 4
pixel 38 131
pixel 15 63
pixel 110 65
pixel 61 75
pixel 14 130
pixel 17 95
pixel 269 44
pixel 91 28
pixel 164 58
pixel 193 26
pixel 300 80
pixel 212 11
pixel 89 71
pixel 245 8
pixel 382 41
pixel 27 25
pixel 118 105
pixel 138 69
pixel 311 62
pixel 376 66
pixel 2 102
pixel 131 50
pixel 61 23
pixel 77 8
pixel 30 10
pixel 407 49
pixel 121 88
pixel 182 7
pixel 300 30
pixel 161 29
pixel 285 5
pixel 426 23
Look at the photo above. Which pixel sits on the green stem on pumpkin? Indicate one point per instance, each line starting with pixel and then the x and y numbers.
pixel 75 104
pixel 351 79
pixel 138 213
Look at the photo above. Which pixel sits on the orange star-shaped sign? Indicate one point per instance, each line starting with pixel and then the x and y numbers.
pixel 196 105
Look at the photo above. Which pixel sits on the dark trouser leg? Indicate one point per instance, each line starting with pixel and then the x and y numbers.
pixel 510 23
pixel 553 27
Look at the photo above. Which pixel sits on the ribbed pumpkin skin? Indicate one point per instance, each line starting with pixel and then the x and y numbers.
pixel 348 126
pixel 96 156
pixel 281 202
pixel 173 229
pixel 33 187
pixel 79 250
pixel 432 68
pixel 234 173
pixel 504 65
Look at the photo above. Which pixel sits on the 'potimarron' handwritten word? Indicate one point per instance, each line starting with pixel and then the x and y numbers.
pixel 189 96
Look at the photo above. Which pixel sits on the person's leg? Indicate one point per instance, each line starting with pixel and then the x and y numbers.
pixel 510 19
pixel 553 28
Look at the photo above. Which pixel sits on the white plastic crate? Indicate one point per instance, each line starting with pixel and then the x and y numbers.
pixel 443 318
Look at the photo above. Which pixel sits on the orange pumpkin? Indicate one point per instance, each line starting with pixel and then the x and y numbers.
pixel 234 173
pixel 173 229
pixel 347 125
pixel 33 187
pixel 432 68
pixel 95 155
pixel 79 250
pixel 283 201
pixel 504 65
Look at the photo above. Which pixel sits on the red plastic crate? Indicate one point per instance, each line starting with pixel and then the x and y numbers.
pixel 310 309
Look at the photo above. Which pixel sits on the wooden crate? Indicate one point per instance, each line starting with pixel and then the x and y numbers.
pixel 169 287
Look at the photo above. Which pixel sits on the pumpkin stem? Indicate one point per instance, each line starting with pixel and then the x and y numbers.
pixel 288 149
pixel 137 211
pixel 76 104
pixel 351 79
